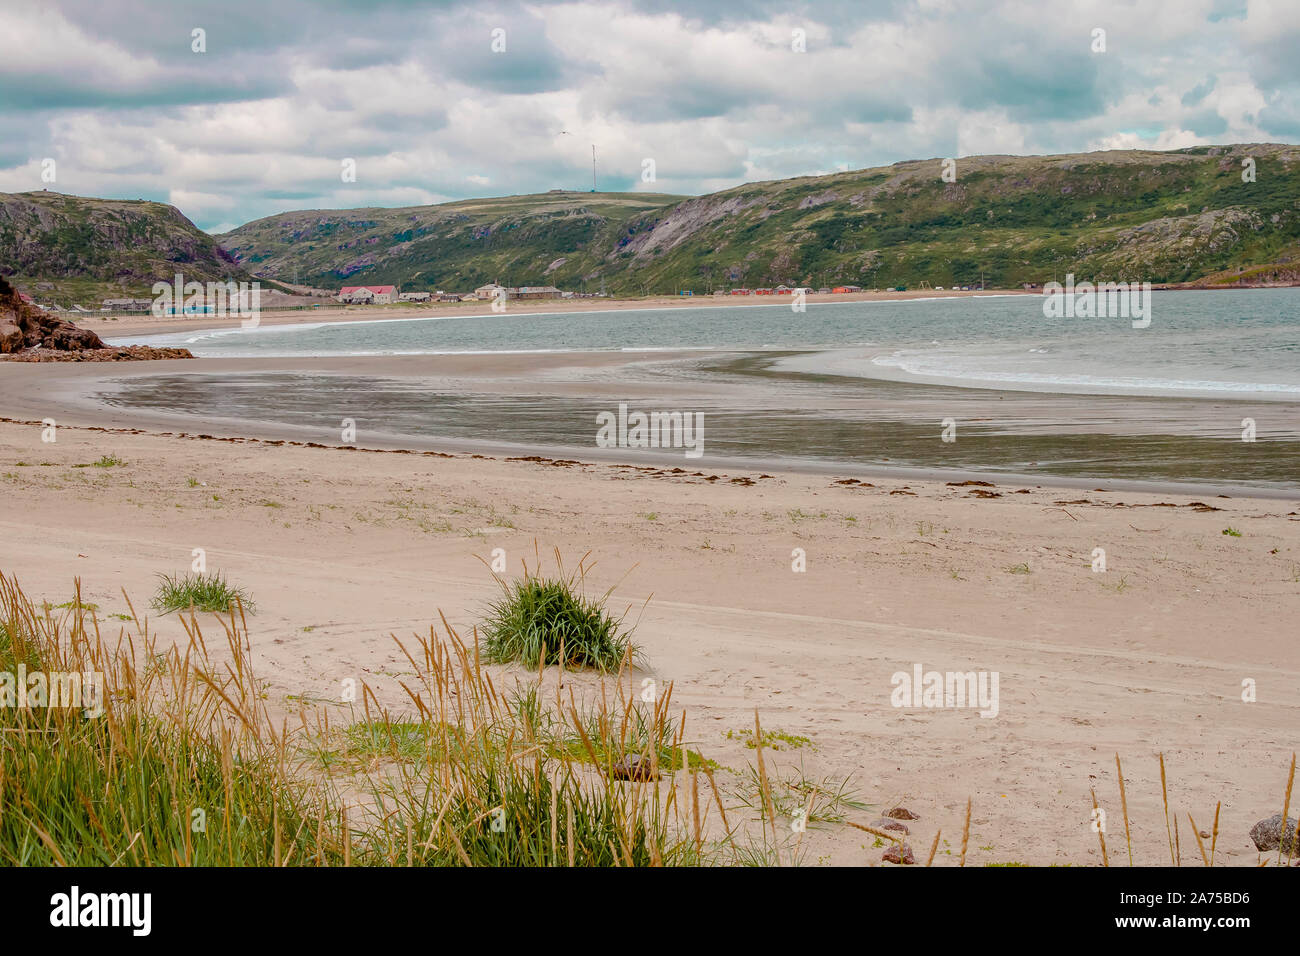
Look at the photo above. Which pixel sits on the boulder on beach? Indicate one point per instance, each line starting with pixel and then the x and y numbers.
pixel 902 855
pixel 1270 834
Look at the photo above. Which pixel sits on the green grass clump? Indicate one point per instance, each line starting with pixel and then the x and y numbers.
pixel 68 605
pixel 201 592
pixel 368 740
pixel 549 620
pixel 772 739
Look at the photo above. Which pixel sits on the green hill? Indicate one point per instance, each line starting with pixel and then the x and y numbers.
pixel 1163 217
pixel 78 248
pixel 553 238
pixel 1176 216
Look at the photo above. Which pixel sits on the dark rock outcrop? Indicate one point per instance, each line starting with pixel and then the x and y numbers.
pixel 24 326
pixel 29 334
pixel 124 353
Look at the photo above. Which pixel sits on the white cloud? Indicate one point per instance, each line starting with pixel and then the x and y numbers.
pixel 262 125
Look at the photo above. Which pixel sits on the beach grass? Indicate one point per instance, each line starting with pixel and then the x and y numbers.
pixel 155 779
pixel 549 620
pixel 179 759
pixel 201 592
pixel 105 461
pixel 184 764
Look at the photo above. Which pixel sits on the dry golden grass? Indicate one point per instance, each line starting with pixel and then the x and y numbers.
pixel 1174 832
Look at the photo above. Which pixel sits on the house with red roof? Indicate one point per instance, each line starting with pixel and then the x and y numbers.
pixel 368 294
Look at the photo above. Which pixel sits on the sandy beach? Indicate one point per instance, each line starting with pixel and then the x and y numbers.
pixel 343 547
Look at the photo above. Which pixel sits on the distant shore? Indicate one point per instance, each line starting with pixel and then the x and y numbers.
pixel 136 323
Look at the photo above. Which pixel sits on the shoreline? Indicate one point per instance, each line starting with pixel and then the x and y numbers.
pixel 131 323
pixel 559 456
pixel 136 323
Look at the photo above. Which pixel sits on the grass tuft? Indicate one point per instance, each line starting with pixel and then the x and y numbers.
pixel 200 592
pixel 106 461
pixel 550 621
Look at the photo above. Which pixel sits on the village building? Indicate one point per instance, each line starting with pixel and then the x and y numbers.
pixel 127 305
pixel 534 292
pixel 489 291
pixel 368 294
pixel 415 297
pixel 847 288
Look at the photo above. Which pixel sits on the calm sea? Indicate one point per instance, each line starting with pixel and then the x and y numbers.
pixel 1238 343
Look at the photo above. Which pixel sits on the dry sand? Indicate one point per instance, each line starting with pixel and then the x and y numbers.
pixel 341 548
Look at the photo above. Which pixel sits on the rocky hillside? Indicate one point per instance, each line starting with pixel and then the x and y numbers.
pixel 547 239
pixel 1178 216
pixel 118 244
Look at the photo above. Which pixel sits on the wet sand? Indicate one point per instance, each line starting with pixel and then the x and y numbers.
pixel 546 403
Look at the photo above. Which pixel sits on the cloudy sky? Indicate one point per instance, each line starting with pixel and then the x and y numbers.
pixel 451 100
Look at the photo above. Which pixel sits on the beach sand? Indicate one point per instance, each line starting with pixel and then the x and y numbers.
pixel 342 548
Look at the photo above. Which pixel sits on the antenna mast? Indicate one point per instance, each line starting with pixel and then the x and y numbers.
pixel 593 167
